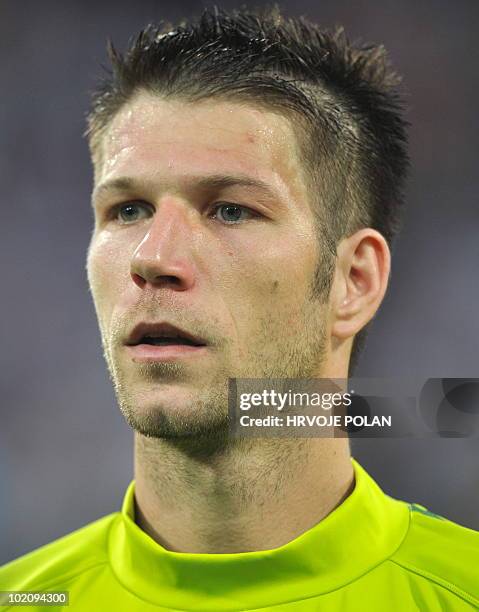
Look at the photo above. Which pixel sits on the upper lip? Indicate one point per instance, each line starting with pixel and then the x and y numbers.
pixel 161 329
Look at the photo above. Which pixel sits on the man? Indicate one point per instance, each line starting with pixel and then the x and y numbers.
pixel 248 180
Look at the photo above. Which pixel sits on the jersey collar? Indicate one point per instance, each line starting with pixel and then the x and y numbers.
pixel 365 529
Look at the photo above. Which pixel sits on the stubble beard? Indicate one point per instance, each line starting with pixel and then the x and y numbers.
pixel 204 427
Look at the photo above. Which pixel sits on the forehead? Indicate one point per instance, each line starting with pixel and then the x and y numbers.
pixel 152 136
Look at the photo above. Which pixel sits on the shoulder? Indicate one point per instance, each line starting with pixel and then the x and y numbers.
pixel 60 560
pixel 441 551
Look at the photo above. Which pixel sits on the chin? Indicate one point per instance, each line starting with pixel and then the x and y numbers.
pixel 174 413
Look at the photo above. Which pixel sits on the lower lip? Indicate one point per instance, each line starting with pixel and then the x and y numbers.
pixel 171 352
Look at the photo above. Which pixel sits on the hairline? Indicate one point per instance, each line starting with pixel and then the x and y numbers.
pixel 296 122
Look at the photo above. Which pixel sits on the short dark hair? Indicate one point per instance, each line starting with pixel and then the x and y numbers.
pixel 342 101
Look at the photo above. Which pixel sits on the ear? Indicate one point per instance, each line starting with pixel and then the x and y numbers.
pixel 360 280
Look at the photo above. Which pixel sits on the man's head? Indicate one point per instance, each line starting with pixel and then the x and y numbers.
pixel 259 164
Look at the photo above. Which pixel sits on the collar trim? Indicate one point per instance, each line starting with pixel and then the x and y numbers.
pixel 364 530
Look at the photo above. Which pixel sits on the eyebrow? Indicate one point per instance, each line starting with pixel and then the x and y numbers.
pixel 211 182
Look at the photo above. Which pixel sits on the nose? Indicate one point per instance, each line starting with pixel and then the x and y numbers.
pixel 163 257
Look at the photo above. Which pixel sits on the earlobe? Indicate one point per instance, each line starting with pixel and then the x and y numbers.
pixel 360 282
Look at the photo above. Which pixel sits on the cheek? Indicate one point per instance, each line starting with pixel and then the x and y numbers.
pixel 273 286
pixel 104 265
pixel 283 273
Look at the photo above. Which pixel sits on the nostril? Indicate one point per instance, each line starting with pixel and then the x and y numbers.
pixel 169 279
pixel 163 279
pixel 138 280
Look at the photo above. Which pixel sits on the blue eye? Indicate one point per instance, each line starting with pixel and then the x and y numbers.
pixel 232 213
pixel 127 213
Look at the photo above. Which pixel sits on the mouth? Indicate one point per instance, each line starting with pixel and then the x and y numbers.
pixel 162 342
pixel 166 341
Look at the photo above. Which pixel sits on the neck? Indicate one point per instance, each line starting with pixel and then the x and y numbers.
pixel 247 496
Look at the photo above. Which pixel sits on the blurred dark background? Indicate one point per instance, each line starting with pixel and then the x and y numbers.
pixel 66 455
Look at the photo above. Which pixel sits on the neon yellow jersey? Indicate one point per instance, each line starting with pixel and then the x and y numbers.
pixel 372 553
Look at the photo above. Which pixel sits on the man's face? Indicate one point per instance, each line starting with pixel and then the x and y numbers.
pixel 231 264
